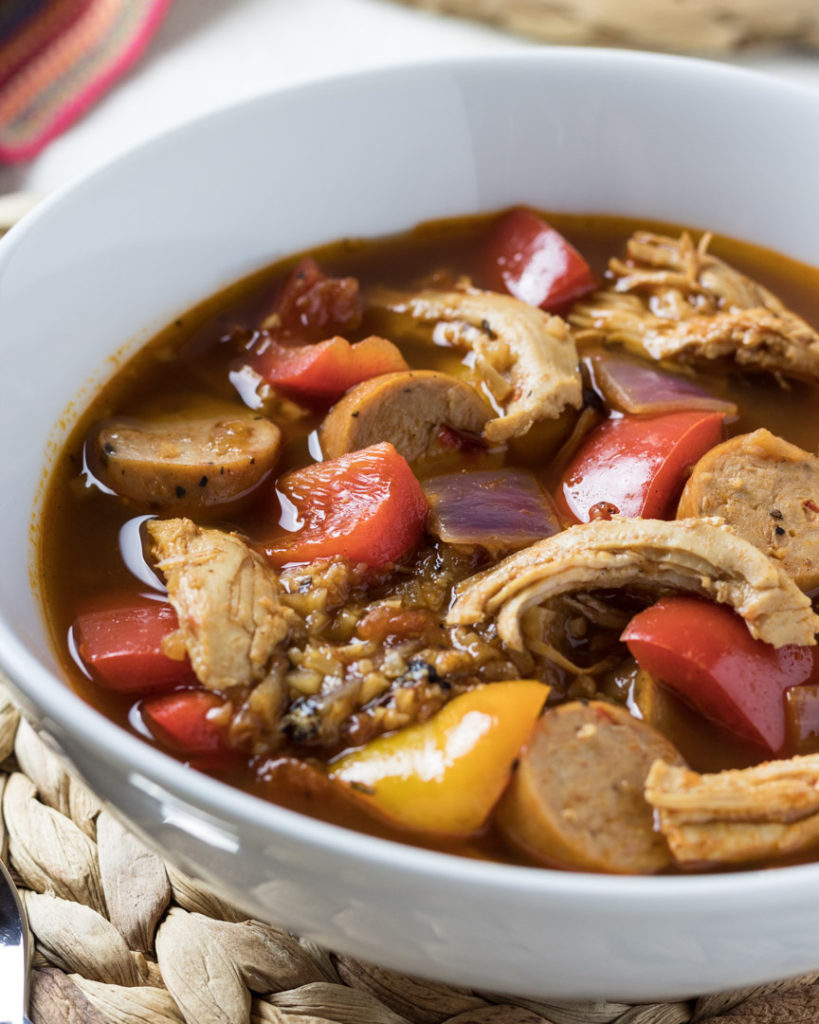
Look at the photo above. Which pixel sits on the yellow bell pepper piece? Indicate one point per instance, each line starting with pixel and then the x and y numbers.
pixel 445 775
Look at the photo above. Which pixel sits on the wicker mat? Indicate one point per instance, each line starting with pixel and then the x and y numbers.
pixel 684 26
pixel 122 938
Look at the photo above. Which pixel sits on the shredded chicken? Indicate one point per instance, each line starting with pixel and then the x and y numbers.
pixel 701 556
pixel 671 299
pixel 525 358
pixel 226 598
pixel 729 817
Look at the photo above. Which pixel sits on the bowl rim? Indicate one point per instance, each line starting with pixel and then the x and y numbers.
pixel 58 702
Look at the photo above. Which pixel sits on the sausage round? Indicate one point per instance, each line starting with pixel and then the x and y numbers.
pixel 768 490
pixel 186 463
pixel 576 799
pixel 405 408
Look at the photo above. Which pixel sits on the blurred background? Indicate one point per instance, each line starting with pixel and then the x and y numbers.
pixel 82 79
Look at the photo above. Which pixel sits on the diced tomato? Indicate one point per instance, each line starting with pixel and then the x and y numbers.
pixel 638 464
pixel 312 305
pixel 123 647
pixel 326 369
pixel 526 257
pixel 385 623
pixel 704 653
pixel 366 506
pixel 184 722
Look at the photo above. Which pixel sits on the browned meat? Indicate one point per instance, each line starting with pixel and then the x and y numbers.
pixel 227 600
pixel 407 408
pixel 524 358
pixel 673 300
pixel 701 556
pixel 202 458
pixel 577 800
pixel 768 490
pixel 736 816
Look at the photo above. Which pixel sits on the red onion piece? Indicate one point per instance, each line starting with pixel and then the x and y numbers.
pixel 501 510
pixel 633 388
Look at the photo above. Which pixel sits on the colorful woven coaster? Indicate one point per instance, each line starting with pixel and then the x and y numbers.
pixel 57 57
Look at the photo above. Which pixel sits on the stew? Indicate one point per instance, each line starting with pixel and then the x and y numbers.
pixel 498 537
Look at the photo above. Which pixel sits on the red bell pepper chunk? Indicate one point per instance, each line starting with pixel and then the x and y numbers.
pixel 312 305
pixel 526 257
pixel 326 369
pixel 705 654
pixel 638 464
pixel 123 647
pixel 184 723
pixel 366 506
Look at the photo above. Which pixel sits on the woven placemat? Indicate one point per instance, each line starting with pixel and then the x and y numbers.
pixel 123 938
pixel 682 26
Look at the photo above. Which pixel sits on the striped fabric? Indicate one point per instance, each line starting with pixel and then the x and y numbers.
pixel 57 57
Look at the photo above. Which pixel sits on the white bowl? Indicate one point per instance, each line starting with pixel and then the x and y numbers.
pixel 100 267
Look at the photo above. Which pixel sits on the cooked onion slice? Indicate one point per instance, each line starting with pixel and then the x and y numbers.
pixel 632 388
pixel 501 510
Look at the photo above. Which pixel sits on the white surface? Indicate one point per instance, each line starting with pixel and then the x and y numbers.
pixel 211 52
pixel 134 243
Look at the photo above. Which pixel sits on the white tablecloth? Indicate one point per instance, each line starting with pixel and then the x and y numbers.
pixel 209 53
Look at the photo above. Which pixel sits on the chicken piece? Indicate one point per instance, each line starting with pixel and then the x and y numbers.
pixel 204 458
pixel 674 300
pixel 700 556
pixel 768 490
pixel 576 799
pixel 407 409
pixel 674 269
pixel 226 598
pixel 525 358
pixel 736 816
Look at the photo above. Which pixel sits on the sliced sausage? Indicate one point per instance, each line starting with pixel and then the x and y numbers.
pixel 768 490
pixel 203 458
pixel 407 408
pixel 525 358
pixel 576 799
